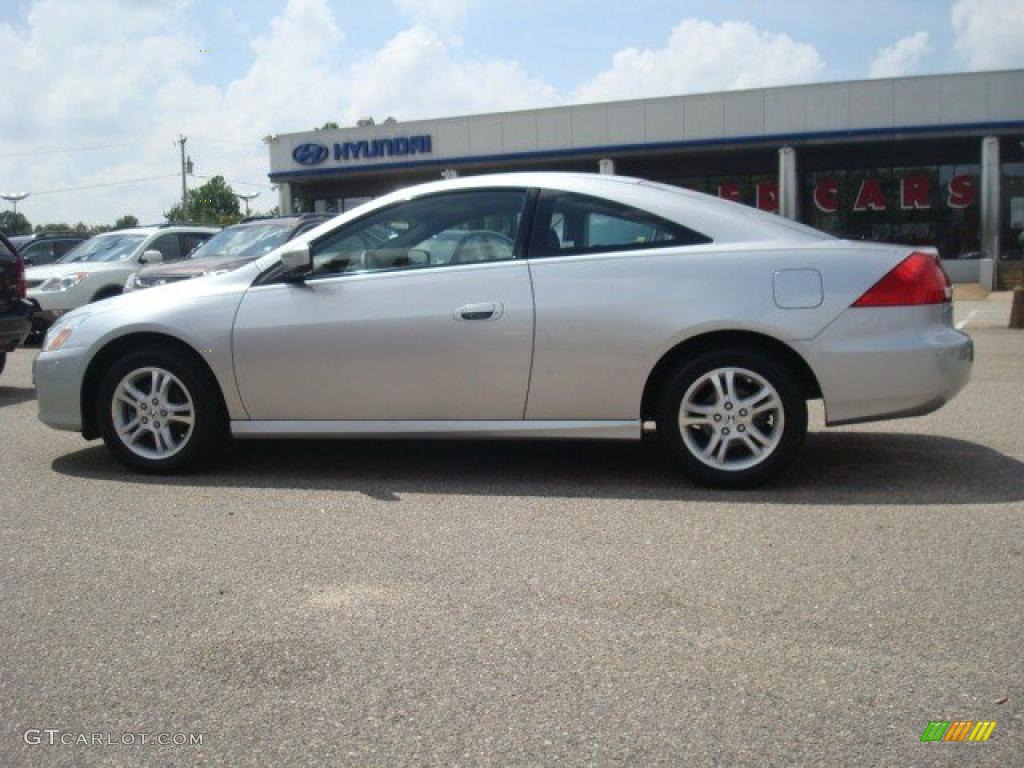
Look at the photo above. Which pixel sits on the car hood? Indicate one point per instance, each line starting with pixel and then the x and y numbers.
pixel 195 267
pixel 60 270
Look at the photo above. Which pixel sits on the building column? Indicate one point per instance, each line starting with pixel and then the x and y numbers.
pixel 789 198
pixel 989 213
pixel 449 173
pixel 284 197
pixel 606 166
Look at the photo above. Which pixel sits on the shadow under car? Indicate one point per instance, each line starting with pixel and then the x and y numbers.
pixel 835 468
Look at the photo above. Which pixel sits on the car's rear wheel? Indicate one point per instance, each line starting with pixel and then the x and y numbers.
pixel 159 413
pixel 3 361
pixel 732 418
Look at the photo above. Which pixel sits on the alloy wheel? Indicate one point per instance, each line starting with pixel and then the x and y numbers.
pixel 153 413
pixel 731 419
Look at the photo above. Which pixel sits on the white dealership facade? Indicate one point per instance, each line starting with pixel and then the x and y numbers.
pixel 936 160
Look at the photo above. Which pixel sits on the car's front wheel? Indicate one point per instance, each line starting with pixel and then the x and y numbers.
pixel 159 413
pixel 732 418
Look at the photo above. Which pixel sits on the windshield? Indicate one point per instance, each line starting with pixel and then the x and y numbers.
pixel 103 248
pixel 245 241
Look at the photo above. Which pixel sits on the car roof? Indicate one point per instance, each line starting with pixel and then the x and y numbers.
pixel 291 219
pixel 52 235
pixel 153 230
pixel 722 220
pixel 287 221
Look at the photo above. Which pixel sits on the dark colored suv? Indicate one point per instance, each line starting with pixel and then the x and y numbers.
pixel 229 249
pixel 46 247
pixel 15 310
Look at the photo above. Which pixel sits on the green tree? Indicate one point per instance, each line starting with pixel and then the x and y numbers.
pixel 54 227
pixel 331 126
pixel 126 221
pixel 212 203
pixel 12 224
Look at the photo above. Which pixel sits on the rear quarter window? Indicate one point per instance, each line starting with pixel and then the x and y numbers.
pixel 568 223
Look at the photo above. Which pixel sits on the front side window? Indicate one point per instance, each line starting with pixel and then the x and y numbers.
pixel 168 247
pixel 439 230
pixel 189 241
pixel 568 224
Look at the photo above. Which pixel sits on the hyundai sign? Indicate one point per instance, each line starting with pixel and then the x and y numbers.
pixel 314 153
pixel 310 154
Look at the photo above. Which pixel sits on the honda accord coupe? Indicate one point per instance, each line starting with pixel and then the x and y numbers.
pixel 573 305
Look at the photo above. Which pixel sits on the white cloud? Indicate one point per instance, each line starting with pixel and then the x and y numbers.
pixel 989 34
pixel 415 76
pixel 703 56
pixel 121 71
pixel 901 58
pixel 128 71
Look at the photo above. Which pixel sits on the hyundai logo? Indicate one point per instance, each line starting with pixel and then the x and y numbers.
pixel 310 154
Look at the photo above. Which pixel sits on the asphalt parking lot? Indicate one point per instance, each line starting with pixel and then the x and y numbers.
pixel 520 604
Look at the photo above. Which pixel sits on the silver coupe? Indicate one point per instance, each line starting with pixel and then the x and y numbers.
pixel 539 305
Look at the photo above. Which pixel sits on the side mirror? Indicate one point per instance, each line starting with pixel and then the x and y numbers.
pixel 152 257
pixel 296 257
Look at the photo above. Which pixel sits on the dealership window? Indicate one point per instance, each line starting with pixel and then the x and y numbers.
pixel 568 224
pixel 919 205
pixel 1012 232
pixel 433 231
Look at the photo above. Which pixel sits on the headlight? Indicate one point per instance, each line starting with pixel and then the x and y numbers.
pixel 54 284
pixel 61 331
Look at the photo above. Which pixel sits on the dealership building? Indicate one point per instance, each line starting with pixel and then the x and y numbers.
pixel 935 160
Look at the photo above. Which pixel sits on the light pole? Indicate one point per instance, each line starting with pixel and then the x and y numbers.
pixel 184 187
pixel 14 197
pixel 246 198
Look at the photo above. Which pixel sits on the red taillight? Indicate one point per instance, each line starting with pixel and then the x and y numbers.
pixel 20 286
pixel 918 279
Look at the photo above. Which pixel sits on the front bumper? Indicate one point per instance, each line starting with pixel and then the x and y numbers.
pixel 889 363
pixel 15 324
pixel 58 380
pixel 53 304
pixel 60 301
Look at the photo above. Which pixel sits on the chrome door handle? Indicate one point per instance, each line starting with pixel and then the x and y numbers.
pixel 487 310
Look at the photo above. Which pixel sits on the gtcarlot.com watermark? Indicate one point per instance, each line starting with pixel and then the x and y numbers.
pixel 58 737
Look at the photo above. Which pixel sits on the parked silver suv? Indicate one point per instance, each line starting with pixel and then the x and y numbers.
pixel 98 267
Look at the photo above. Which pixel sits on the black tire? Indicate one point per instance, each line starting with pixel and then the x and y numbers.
pixel 210 425
pixel 792 424
pixel 3 361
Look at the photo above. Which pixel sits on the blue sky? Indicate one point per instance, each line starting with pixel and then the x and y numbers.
pixel 226 73
pixel 568 41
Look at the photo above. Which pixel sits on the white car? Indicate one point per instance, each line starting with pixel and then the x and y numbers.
pixel 98 268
